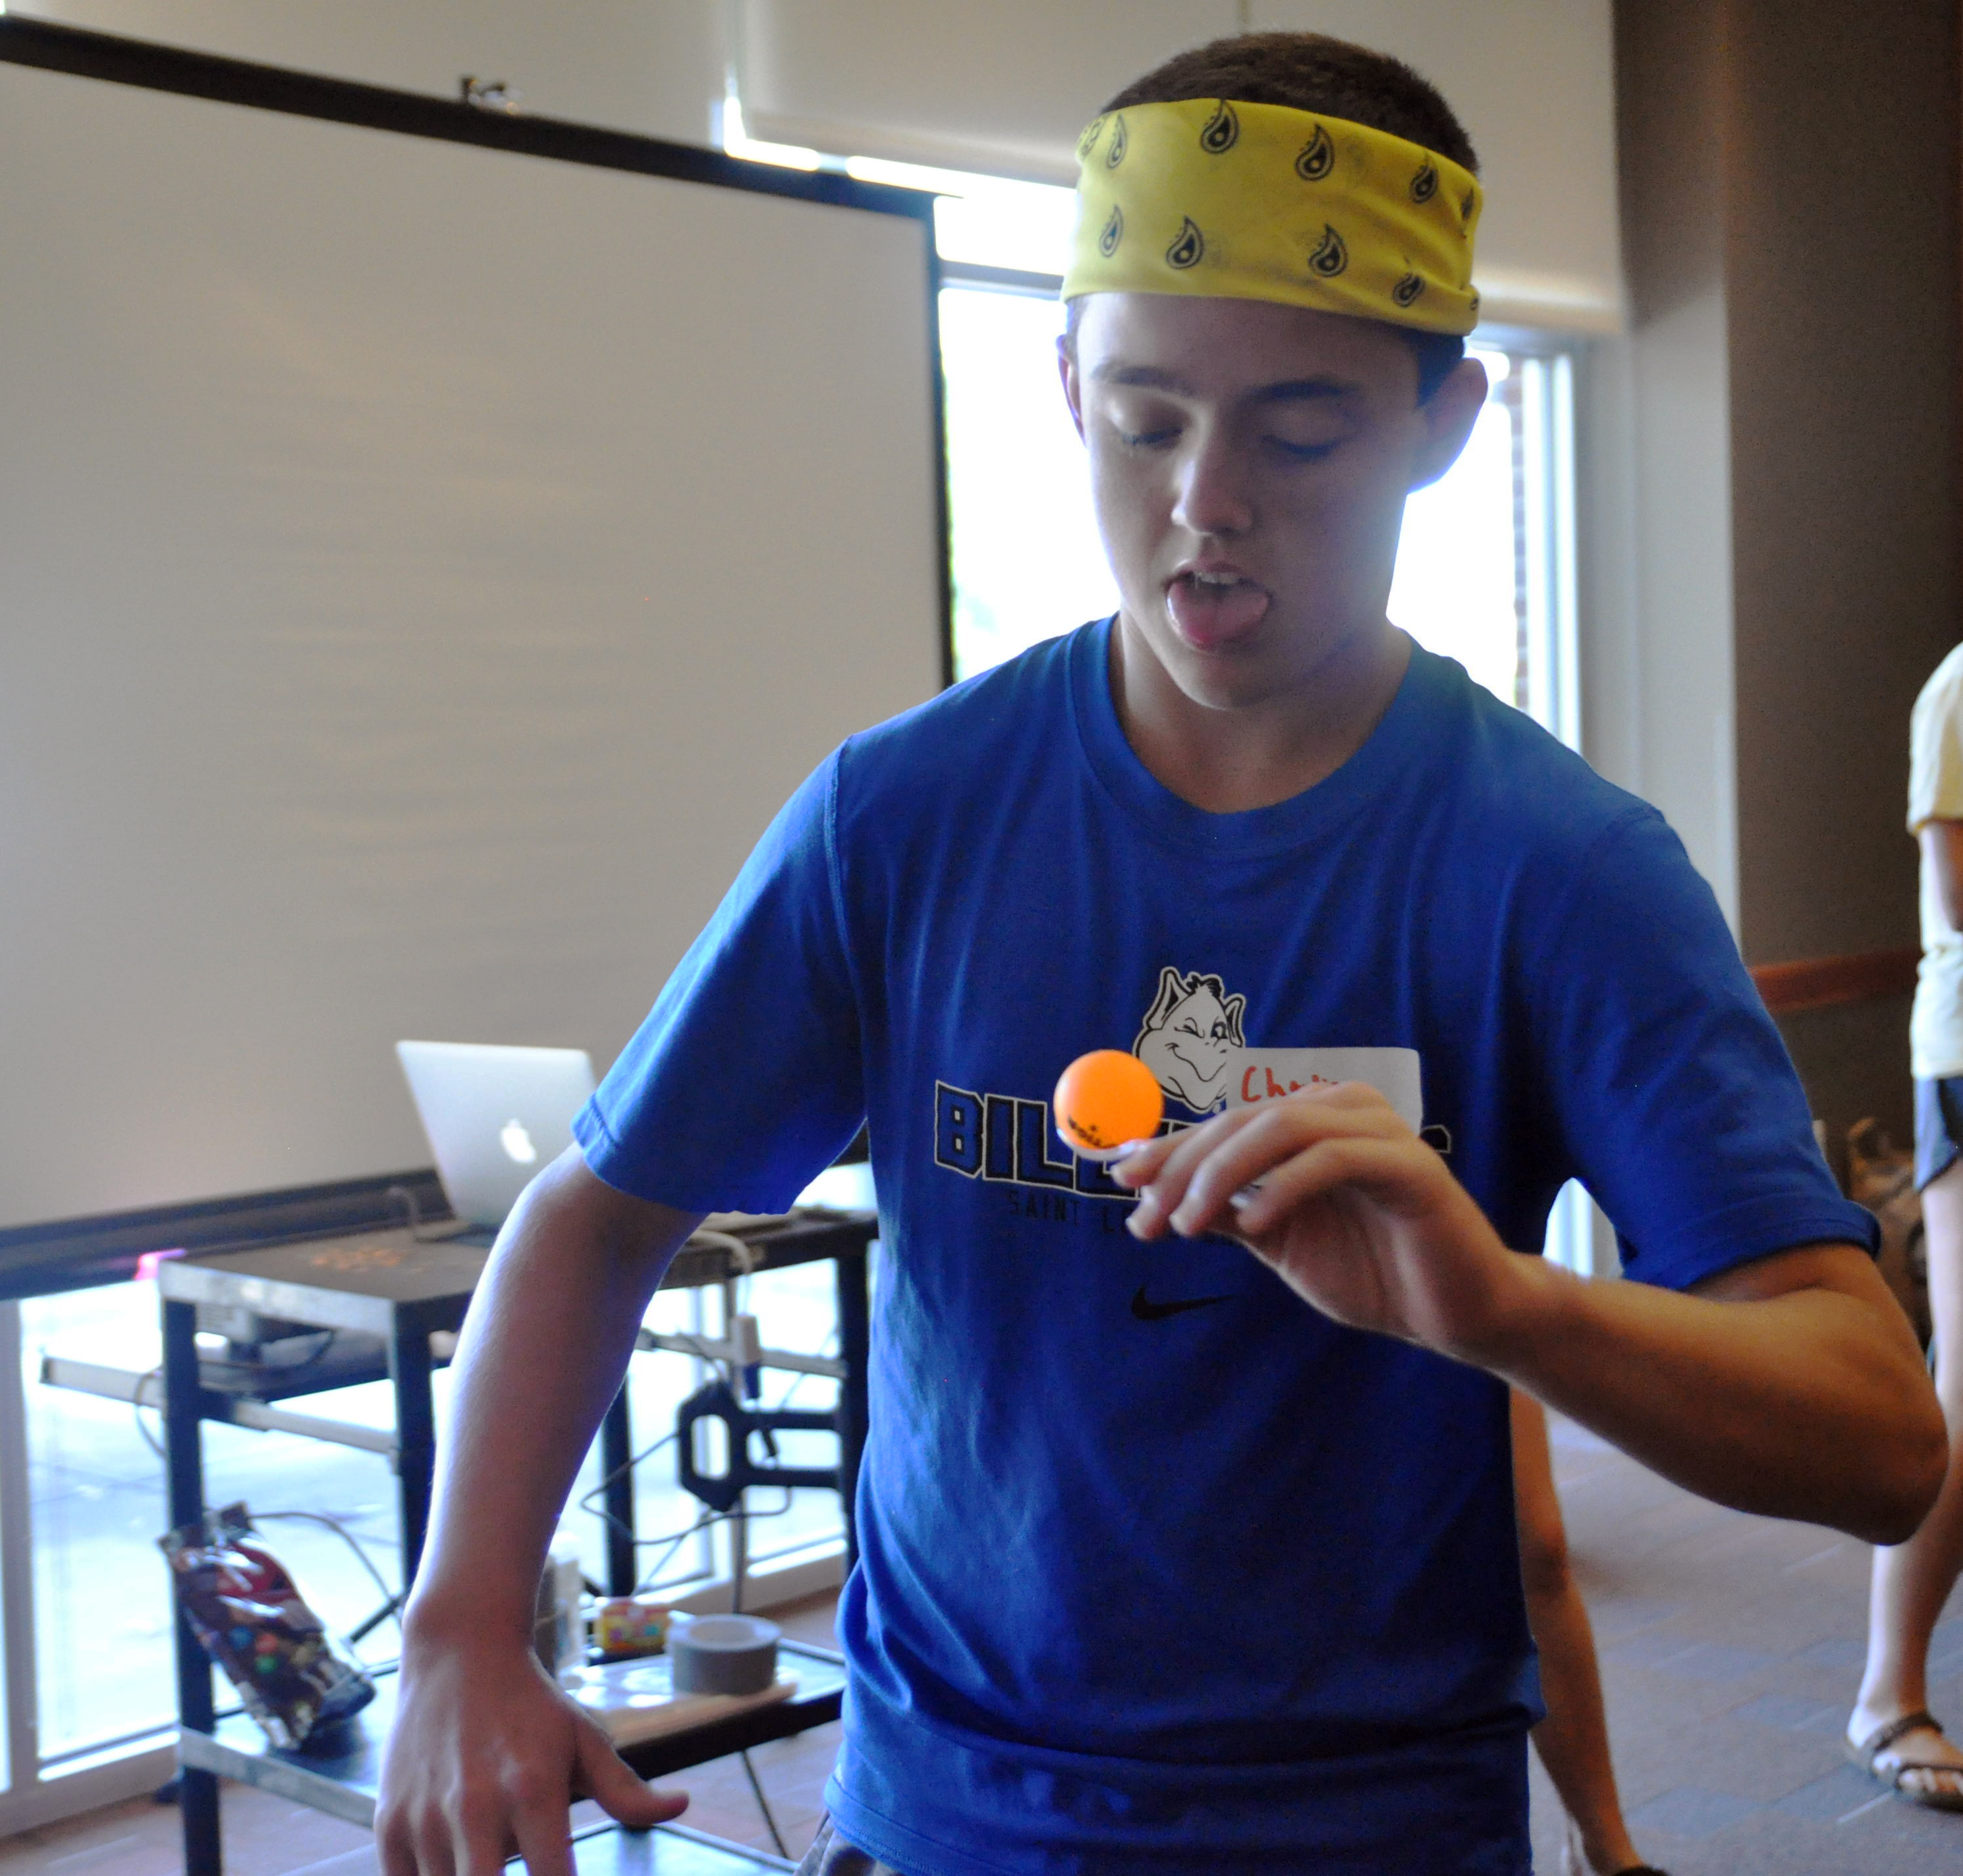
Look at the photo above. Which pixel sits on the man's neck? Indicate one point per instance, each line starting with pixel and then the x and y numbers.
pixel 1229 760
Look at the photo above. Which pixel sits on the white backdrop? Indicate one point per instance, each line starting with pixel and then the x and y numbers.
pixel 424 570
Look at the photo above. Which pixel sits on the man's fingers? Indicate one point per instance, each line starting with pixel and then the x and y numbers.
pixel 431 1850
pixel 395 1848
pixel 612 1784
pixel 544 1834
pixel 1159 1173
pixel 1382 1168
pixel 1195 1185
pixel 485 1843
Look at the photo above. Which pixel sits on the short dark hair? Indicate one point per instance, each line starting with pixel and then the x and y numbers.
pixel 1334 78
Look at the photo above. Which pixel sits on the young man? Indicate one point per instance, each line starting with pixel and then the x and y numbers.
pixel 1186 1539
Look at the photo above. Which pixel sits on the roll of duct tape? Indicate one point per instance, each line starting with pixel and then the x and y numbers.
pixel 724 1654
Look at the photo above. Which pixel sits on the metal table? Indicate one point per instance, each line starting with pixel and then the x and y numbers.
pixel 667 1850
pixel 344 1784
pixel 385 1293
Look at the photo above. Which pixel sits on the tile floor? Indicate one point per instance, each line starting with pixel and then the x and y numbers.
pixel 1730 1646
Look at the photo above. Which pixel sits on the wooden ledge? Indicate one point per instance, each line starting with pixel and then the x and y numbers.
pixel 1820 982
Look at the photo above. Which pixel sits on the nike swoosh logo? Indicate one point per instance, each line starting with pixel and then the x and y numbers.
pixel 1148 1311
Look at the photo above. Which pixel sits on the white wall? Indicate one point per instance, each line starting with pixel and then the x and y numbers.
pixel 1654 456
pixel 654 67
pixel 1001 87
pixel 419 592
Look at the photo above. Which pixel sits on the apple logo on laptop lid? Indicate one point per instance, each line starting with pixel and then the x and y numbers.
pixel 517 1142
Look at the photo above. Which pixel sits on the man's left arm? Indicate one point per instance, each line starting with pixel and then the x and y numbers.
pixel 1789 1384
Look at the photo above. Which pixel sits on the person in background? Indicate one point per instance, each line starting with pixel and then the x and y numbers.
pixel 1891 1733
pixel 1572 1739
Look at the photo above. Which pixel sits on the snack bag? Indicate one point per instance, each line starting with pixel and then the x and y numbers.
pixel 631 1625
pixel 254 1623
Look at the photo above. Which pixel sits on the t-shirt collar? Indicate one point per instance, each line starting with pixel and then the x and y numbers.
pixel 1391 752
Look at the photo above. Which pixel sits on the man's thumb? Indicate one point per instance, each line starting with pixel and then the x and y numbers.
pixel 612 1784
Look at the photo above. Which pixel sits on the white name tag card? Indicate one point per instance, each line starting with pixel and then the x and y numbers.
pixel 1267 1074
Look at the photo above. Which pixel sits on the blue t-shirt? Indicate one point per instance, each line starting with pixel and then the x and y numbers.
pixel 1161 1570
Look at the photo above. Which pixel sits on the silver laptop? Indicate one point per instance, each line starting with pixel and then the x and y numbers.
pixel 494 1115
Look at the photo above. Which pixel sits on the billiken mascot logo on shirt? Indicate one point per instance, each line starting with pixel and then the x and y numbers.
pixel 1189 1037
pixel 1192 1039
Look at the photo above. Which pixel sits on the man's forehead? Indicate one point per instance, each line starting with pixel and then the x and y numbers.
pixel 1190 343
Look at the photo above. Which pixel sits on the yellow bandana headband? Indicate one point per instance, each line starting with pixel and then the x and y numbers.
pixel 1263 202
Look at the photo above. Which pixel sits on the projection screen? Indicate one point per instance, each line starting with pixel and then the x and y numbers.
pixel 425 569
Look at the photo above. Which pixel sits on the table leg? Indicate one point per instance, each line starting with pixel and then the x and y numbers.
pixel 184 1462
pixel 415 1439
pixel 616 1454
pixel 854 1350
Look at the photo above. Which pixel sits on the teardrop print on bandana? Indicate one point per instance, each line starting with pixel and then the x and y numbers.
pixel 1424 184
pixel 1221 131
pixel 1185 252
pixel 1114 232
pixel 1408 289
pixel 1466 209
pixel 1121 142
pixel 1088 141
pixel 1329 256
pixel 1318 158
pixel 1475 306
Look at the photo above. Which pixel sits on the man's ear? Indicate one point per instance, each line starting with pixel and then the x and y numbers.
pixel 1447 416
pixel 1073 390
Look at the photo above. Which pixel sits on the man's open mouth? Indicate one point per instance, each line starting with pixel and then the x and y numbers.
pixel 1210 606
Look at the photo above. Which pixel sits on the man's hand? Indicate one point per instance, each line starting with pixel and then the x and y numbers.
pixel 485 1757
pixel 487 1750
pixel 1789 1384
pixel 1356 1214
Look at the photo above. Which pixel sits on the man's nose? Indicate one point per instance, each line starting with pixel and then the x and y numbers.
pixel 1213 496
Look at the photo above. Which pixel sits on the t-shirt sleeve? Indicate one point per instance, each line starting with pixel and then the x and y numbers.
pixel 1935 757
pixel 744 1082
pixel 1678 1104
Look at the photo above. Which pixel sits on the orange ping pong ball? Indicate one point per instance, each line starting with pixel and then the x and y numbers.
pixel 1104 1101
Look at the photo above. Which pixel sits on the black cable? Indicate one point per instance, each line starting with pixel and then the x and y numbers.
pixel 764 1805
pixel 136 1404
pixel 345 1535
pixel 675 1541
pixel 586 1504
pixel 306 1361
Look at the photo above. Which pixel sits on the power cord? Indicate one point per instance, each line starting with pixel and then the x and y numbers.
pixel 391 1599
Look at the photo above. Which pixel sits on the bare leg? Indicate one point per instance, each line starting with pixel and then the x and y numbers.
pixel 1573 1740
pixel 1913 1580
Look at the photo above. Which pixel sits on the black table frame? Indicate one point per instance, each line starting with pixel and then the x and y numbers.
pixel 403 1326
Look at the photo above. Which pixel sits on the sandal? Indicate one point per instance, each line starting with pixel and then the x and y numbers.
pixel 1879 1741
pixel 1574 1860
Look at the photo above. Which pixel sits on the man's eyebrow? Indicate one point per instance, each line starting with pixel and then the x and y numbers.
pixel 1306 390
pixel 1287 391
pixel 1143 377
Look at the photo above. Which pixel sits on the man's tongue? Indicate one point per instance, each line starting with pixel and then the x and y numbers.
pixel 1207 612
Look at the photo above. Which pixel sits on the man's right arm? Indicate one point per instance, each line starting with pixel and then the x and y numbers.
pixel 486 1749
